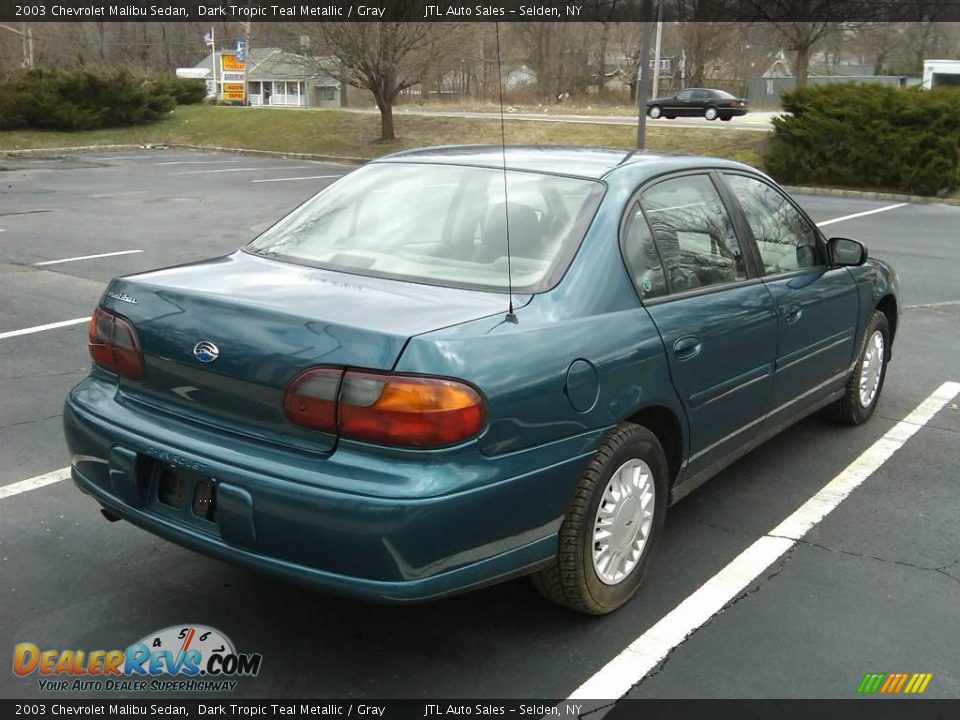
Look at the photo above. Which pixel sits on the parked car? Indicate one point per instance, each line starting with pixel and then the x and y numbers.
pixel 698 102
pixel 375 398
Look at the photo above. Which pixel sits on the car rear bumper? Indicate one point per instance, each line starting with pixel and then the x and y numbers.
pixel 371 545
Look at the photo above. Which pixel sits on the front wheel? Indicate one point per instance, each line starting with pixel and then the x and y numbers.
pixel 611 526
pixel 710 113
pixel 654 111
pixel 862 391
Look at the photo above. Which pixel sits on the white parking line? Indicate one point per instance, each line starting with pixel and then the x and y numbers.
pixel 35 482
pixel 87 257
pixel 41 328
pixel 860 214
pixel 248 169
pixel 308 177
pixel 198 162
pixel 617 677
pixel 125 193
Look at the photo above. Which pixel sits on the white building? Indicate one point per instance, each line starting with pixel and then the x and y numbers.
pixel 278 78
pixel 940 72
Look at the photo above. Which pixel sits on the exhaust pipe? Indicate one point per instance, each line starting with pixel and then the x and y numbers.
pixel 109 515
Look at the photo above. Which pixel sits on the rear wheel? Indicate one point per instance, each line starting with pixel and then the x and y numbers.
pixel 862 391
pixel 726 118
pixel 611 526
pixel 654 111
pixel 670 117
pixel 710 113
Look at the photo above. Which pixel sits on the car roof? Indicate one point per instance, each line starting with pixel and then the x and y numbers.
pixel 584 162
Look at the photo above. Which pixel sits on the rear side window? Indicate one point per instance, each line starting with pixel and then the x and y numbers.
pixel 693 233
pixel 640 254
pixel 785 239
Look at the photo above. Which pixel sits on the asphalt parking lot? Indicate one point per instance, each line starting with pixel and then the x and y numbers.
pixel 874 587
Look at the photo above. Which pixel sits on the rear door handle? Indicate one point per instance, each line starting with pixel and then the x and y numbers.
pixel 687 347
pixel 792 313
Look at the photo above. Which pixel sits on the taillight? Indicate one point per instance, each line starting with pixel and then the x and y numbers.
pixel 402 410
pixel 113 344
pixel 311 399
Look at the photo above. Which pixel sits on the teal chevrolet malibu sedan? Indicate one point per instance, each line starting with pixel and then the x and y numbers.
pixel 459 365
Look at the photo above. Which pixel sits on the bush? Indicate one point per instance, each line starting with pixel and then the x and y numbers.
pixel 58 99
pixel 186 91
pixel 867 135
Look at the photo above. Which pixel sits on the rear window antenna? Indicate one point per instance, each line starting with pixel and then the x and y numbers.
pixel 511 316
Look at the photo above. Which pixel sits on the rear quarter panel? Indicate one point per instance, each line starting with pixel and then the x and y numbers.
pixel 593 315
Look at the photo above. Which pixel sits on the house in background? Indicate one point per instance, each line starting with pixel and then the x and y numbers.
pixel 764 92
pixel 278 79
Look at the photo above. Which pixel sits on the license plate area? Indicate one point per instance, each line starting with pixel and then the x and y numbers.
pixel 185 494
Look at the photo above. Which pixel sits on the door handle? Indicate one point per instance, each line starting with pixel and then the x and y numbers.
pixel 792 313
pixel 687 347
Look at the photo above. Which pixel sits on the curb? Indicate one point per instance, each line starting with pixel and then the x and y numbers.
pixel 348 160
pixel 39 152
pixel 868 195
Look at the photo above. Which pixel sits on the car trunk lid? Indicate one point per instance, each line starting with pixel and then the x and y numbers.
pixel 268 320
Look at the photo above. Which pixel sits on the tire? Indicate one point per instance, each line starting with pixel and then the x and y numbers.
pixel 710 113
pixel 726 118
pixel 851 409
pixel 654 111
pixel 573 579
pixel 670 117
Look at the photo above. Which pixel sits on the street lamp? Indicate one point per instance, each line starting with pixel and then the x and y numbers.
pixel 26 38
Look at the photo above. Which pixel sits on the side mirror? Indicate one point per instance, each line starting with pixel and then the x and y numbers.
pixel 844 251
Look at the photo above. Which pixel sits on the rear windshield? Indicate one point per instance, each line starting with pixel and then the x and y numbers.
pixel 440 224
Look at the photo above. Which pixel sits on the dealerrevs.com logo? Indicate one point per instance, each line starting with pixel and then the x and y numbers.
pixel 184 658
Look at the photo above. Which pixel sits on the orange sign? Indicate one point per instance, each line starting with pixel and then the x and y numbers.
pixel 234 91
pixel 230 62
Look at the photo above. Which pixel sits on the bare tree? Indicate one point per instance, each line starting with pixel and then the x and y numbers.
pixel 801 24
pixel 382 57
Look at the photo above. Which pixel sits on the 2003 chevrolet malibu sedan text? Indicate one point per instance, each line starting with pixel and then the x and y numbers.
pixel 347 401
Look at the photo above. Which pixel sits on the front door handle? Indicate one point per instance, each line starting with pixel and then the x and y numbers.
pixel 792 313
pixel 687 347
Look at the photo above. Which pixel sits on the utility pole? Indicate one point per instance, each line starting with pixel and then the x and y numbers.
pixel 246 62
pixel 26 44
pixel 656 51
pixel 643 73
pixel 28 39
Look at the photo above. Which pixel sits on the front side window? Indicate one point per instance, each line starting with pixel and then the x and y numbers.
pixel 693 233
pixel 785 239
pixel 685 95
pixel 440 224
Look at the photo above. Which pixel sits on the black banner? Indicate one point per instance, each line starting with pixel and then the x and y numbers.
pixel 465 11
pixel 853 709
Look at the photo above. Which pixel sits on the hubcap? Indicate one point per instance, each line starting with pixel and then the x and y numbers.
pixel 654 112
pixel 711 114
pixel 871 370
pixel 623 522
